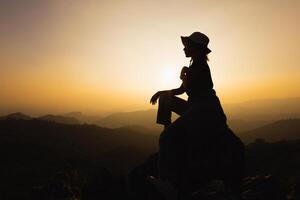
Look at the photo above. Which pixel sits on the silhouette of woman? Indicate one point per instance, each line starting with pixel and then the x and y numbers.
pixel 196 82
pixel 201 127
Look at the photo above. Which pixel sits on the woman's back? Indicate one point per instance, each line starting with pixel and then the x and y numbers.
pixel 198 81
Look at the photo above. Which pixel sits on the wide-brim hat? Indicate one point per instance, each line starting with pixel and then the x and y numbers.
pixel 197 38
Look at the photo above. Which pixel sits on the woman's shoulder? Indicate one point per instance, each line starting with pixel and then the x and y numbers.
pixel 199 68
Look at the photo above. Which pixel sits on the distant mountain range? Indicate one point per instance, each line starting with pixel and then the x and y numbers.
pixel 242 117
pixel 142 122
pixel 240 125
pixel 83 118
pixel 288 129
pixel 264 109
pixel 60 119
pixel 145 118
pixel 17 115
pixel 134 120
pixel 53 118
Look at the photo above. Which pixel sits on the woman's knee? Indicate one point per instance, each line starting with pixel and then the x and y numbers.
pixel 165 97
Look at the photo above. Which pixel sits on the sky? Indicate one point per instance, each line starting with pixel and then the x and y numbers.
pixel 99 56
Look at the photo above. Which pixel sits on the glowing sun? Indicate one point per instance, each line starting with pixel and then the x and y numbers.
pixel 170 76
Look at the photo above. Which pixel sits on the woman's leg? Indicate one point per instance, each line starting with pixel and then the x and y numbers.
pixel 167 104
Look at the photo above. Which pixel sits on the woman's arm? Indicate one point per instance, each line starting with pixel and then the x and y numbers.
pixel 178 91
pixel 156 96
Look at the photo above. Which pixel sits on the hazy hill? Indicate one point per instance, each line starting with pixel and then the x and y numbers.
pixel 288 129
pixel 60 141
pixel 40 131
pixel 17 115
pixel 138 129
pixel 147 119
pixel 34 150
pixel 59 119
pixel 144 118
pixel 240 125
pixel 77 115
pixel 264 109
pixel 242 117
pixel 82 117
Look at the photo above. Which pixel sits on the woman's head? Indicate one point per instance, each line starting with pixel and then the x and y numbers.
pixel 195 46
pixel 195 52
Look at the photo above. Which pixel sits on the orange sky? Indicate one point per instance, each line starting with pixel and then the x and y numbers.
pixel 105 56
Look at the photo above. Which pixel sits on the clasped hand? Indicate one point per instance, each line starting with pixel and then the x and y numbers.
pixel 183 72
pixel 156 96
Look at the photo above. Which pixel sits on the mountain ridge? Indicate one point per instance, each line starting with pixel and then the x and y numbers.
pixel 284 129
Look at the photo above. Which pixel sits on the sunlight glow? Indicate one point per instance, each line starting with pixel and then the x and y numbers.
pixel 169 77
pixel 98 56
